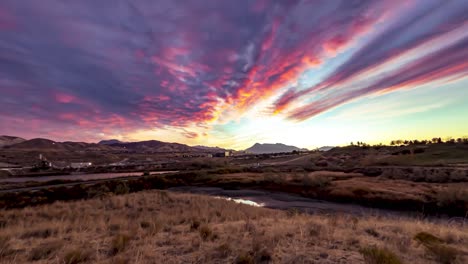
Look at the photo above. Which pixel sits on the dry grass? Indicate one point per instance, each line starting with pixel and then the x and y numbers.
pixel 162 227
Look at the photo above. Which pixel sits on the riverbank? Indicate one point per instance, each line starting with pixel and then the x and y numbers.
pixel 449 199
pixel 159 226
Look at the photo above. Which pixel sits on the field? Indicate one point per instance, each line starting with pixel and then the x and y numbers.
pixel 162 227
pixel 134 220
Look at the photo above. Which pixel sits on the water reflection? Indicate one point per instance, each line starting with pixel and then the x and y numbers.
pixel 242 201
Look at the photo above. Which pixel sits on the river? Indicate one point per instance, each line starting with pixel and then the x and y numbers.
pixel 286 201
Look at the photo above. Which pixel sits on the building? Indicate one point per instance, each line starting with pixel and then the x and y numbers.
pixel 78 165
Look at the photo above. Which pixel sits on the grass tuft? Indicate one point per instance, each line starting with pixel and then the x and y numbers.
pixel 76 256
pixel 375 255
pixel 245 258
pixel 45 250
pixel 435 246
pixel 4 246
pixel 119 243
pixel 205 232
pixel 427 238
pixel 443 254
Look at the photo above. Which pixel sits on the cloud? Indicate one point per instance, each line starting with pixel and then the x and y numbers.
pixel 115 67
pixel 415 27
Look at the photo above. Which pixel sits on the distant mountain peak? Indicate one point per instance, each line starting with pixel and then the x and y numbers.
pixel 325 148
pixel 265 148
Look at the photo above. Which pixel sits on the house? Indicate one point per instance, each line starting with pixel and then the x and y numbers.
pixel 78 165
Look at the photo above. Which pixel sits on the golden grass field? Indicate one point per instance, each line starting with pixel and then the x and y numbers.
pixel 164 227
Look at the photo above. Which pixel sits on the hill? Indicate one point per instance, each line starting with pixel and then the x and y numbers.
pixel 9 140
pixel 266 148
pixel 42 144
pixel 155 146
pixel 110 142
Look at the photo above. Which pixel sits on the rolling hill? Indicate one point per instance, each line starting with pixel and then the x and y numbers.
pixel 9 140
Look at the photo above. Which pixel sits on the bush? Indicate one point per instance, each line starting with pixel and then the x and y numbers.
pixel 121 188
pixel 194 225
pixel 98 192
pixel 316 181
pixel 76 256
pixel 427 238
pixel 205 232
pixel 435 246
pixel 443 254
pixel 119 243
pixel 419 150
pixel 372 232
pixel 374 255
pixel 224 250
pixel 245 258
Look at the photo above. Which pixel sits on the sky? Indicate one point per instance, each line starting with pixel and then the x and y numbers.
pixel 232 73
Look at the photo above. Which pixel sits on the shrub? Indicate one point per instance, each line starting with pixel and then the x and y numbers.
pixel 205 232
pixel 245 258
pixel 76 256
pixel 443 254
pixel 224 250
pixel 427 238
pixel 315 229
pixel 119 243
pixel 374 255
pixel 194 225
pixel 145 224
pixel 98 192
pixel 121 188
pixel 43 251
pixel 3 223
pixel 419 150
pixel 263 256
pixel 372 232
pixel 316 181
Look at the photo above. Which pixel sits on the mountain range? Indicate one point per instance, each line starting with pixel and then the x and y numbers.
pixel 154 146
